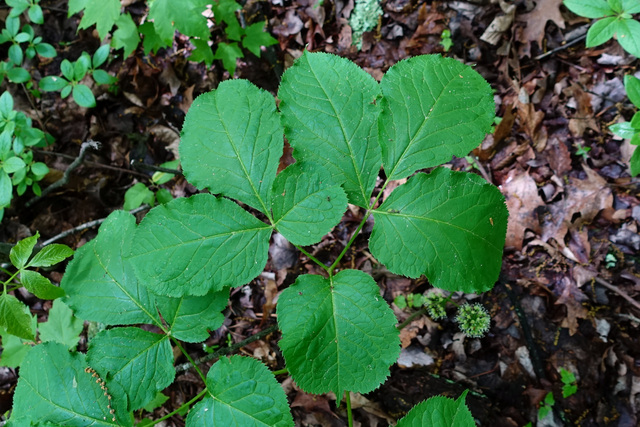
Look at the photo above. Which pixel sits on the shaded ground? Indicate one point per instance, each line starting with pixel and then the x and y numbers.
pixel 561 301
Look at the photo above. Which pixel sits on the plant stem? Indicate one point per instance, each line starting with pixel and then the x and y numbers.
pixel 227 350
pixel 190 359
pixel 184 405
pixel 347 399
pixel 346 248
pixel 312 258
pixel 281 372
pixel 409 319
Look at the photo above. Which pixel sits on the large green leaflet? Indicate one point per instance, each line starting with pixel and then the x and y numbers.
pixel 15 317
pixel 54 387
pixel 140 362
pixel 188 18
pixel 197 245
pixel 439 411
pixel 337 334
pixel 306 204
pixel 100 283
pixel 449 226
pixel 433 108
pixel 232 142
pixel 329 111
pixel 241 392
pixel 101 286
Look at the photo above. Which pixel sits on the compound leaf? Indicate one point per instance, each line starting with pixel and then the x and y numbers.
pixel 232 142
pixel 152 42
pixel 433 108
pixel 449 226
pixel 101 284
pixel 20 253
pixel 306 204
pixel 439 411
pixel 329 112
pixel 102 13
pixel 126 36
pixel 242 392
pixel 255 37
pixel 39 285
pixel 601 31
pixel 188 18
pixel 140 362
pixel 628 35
pixel 589 8
pixel 15 317
pixel 190 317
pixel 210 242
pixel 62 326
pixel 337 333
pixel 54 387
pixel 228 53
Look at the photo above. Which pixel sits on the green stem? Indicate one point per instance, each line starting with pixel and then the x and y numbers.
pixel 347 398
pixel 409 319
pixel 184 405
pixel 193 363
pixel 312 258
pixel 9 280
pixel 281 372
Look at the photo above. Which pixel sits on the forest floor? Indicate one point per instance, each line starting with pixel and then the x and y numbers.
pixel 569 293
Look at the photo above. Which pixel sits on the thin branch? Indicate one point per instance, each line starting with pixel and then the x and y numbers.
pixel 86 225
pixel 67 173
pixel 93 164
pixel 559 48
pixel 619 291
pixel 224 351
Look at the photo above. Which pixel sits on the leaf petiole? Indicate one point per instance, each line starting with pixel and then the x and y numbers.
pixel 181 408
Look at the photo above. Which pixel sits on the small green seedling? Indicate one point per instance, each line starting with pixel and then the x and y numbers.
pixel 446 41
pixel 140 194
pixel 175 269
pixel 546 406
pixel 34 11
pixel 631 129
pixel 614 19
pixel 569 383
pixel 74 72
pixel 582 151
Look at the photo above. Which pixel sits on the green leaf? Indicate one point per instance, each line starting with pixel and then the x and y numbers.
pixel 628 34
pixel 21 252
pixel 211 242
pixel 39 285
pixel 449 226
pixel 53 83
pixel 601 31
pixel 439 411
pixel 635 121
pixel 6 189
pixel 18 75
pixel 51 255
pixel 187 19
pixel 329 112
pixel 224 11
pixel 62 326
pixel 13 164
pixel 623 130
pixel 242 392
pixel 18 6
pixel 634 162
pixel 151 41
pixel 337 333
pixel 157 402
pixel 306 205
pixel 76 6
pixel 589 8
pixel 164 196
pixel 15 54
pixel 631 6
pixel 103 78
pixel 136 196
pixel 228 53
pixel 6 104
pixel 100 283
pixel 66 91
pixel 39 169
pixel 255 37
pixel 202 52
pixel 35 14
pixel 126 36
pixel 103 14
pixel 100 55
pixel 433 108
pixel 83 96
pixel 140 362
pixel 14 317
pixel 15 349
pixel 54 387
pixel 190 318
pixel 46 50
pixel 232 143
